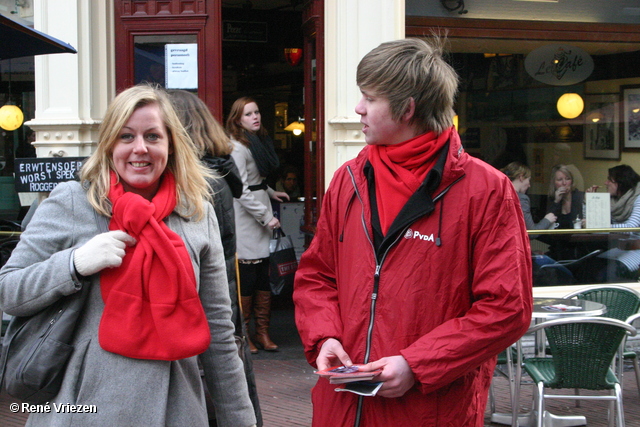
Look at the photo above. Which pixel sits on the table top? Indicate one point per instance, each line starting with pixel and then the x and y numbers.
pixel 551 308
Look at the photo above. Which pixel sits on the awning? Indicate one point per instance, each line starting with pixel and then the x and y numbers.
pixel 17 40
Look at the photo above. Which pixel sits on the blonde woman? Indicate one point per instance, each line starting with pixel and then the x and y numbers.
pixel 139 231
pixel 565 200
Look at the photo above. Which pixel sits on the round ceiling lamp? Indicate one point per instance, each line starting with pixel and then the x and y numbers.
pixel 11 117
pixel 296 127
pixel 570 105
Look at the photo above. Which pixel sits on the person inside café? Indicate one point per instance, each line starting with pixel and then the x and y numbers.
pixel 288 182
pixel 565 200
pixel 621 263
pixel 520 176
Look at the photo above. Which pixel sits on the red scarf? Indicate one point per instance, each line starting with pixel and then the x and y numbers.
pixel 152 308
pixel 400 169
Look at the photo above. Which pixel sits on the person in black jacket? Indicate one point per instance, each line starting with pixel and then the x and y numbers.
pixel 214 148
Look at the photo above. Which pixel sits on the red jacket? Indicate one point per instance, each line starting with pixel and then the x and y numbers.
pixel 453 289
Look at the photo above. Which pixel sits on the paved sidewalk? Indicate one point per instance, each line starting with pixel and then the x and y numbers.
pixel 284 381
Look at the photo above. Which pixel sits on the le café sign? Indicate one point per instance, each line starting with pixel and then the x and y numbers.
pixel 559 64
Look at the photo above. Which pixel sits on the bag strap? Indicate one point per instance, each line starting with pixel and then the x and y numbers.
pixel 278 232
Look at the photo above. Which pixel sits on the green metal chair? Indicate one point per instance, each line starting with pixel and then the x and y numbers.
pixel 622 302
pixel 583 351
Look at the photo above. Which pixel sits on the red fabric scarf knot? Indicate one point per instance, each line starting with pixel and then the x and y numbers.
pixel 152 307
pixel 400 169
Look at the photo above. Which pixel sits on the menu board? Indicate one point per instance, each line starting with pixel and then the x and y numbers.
pixel 598 210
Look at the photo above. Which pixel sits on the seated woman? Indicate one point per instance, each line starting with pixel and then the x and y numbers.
pixel 623 184
pixel 520 176
pixel 565 201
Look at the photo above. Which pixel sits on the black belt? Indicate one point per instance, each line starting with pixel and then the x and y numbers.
pixel 261 186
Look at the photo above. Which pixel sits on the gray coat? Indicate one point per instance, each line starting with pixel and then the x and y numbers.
pixel 253 209
pixel 125 391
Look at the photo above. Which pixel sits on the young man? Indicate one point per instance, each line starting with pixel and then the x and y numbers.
pixel 420 265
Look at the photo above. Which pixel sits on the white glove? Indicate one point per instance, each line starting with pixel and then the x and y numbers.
pixel 102 251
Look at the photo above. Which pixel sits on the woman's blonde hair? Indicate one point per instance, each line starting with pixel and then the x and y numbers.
pixel 236 131
pixel 190 174
pixel 206 133
pixel 565 170
pixel 514 170
pixel 412 68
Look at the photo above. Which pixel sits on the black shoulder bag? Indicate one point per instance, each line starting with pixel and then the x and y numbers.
pixel 36 349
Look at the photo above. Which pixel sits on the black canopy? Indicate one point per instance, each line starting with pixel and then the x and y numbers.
pixel 17 40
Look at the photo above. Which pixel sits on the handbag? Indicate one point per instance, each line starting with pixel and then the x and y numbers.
pixel 282 262
pixel 36 349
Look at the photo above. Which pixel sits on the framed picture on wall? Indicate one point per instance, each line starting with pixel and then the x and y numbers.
pixel 601 139
pixel 630 117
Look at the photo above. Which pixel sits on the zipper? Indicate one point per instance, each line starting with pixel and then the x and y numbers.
pixel 376 275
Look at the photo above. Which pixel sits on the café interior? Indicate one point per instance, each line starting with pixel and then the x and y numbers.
pixel 558 105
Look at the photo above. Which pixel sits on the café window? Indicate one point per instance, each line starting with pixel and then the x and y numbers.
pixel 569 112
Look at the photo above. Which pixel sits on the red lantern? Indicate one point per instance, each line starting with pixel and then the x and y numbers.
pixel 293 55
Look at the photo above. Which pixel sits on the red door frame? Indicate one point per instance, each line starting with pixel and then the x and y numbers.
pixel 200 17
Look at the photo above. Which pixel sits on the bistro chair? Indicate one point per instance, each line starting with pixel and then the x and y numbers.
pixel 505 367
pixel 622 303
pixel 583 351
pixel 631 355
pixel 566 272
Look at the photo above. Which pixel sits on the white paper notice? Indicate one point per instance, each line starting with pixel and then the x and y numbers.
pixel 182 65
pixel 598 210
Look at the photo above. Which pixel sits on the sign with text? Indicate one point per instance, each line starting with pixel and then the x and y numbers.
pixel 598 210
pixel 44 173
pixel 559 65
pixel 236 31
pixel 181 65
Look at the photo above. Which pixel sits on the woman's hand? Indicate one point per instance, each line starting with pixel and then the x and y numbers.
pixel 273 224
pixel 551 217
pixel 102 251
pixel 561 193
pixel 279 195
pixel 592 189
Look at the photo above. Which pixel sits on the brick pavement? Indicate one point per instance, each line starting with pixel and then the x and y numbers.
pixel 284 389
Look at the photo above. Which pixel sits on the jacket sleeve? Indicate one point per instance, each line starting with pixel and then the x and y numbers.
pixel 263 214
pixel 525 204
pixel 501 289
pixel 315 291
pixel 40 269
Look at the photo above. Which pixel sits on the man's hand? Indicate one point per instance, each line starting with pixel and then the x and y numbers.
pixel 396 375
pixel 332 354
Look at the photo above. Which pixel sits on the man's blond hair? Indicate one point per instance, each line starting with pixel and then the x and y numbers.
pixel 412 68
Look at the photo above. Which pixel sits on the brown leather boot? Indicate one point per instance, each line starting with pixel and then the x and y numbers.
pixel 247 303
pixel 262 313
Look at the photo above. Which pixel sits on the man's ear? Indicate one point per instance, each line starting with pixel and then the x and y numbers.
pixel 409 111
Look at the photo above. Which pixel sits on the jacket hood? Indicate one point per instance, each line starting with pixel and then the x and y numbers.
pixel 227 169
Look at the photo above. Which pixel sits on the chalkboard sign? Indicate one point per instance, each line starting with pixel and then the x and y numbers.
pixel 44 173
